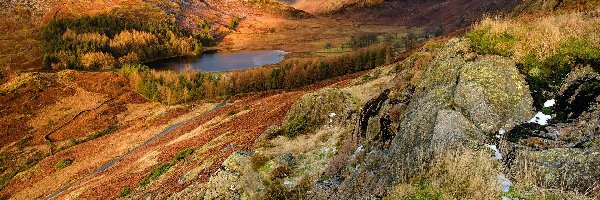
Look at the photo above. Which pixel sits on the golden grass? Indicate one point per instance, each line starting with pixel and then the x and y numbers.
pixel 542 37
pixel 464 174
pixel 526 185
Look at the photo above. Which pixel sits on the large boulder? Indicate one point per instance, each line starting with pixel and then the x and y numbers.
pixel 493 94
pixel 411 150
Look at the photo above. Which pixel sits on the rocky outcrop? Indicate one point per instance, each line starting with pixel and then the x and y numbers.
pixel 565 154
pixel 370 109
pixel 459 102
pixel 232 181
pixel 317 107
pixel 455 102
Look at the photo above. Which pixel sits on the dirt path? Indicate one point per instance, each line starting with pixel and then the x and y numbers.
pixel 116 160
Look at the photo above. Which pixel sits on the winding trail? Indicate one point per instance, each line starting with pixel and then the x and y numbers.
pixel 47 136
pixel 118 159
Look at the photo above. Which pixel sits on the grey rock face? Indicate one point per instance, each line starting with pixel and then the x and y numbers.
pixel 452 128
pixel 493 94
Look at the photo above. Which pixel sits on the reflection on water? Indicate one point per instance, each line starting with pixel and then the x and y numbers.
pixel 219 62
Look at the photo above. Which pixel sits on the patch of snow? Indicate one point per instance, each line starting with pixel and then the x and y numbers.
pixel 359 149
pixel 541 119
pixel 331 116
pixel 289 182
pixel 549 103
pixel 504 182
pixel 500 133
pixel 497 154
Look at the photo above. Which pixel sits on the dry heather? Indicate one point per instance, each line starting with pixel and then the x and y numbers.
pixel 541 37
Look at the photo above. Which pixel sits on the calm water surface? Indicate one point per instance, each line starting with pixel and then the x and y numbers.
pixel 222 61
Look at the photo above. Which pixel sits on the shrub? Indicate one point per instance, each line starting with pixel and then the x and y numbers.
pixel 258 160
pixel 124 192
pixel 129 70
pixel 181 155
pixel 63 163
pixel 234 23
pixel 362 40
pixel 337 163
pixel 296 127
pixel 130 58
pixel 280 172
pixel 155 174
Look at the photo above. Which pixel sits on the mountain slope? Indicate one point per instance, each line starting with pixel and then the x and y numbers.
pixel 454 118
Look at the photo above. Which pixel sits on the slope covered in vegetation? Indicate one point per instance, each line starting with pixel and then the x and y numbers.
pixel 456 121
pixel 510 109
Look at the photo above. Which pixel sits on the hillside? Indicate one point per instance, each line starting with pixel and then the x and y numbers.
pixel 455 120
pixel 393 99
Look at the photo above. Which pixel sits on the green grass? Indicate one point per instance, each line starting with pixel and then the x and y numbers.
pixel 30 163
pixel 234 23
pixel 108 130
pixel 233 112
pixel 6 178
pixel 73 142
pixel 483 43
pixel 63 164
pixel 181 155
pixel 339 49
pixel 124 192
pixel 157 172
pixel 423 192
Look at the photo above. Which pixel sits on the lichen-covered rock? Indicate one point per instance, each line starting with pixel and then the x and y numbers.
pixel 452 128
pixel 317 108
pixel 445 67
pixel 411 149
pixel 493 94
pixel 235 179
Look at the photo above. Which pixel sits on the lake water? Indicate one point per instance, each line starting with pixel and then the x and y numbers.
pixel 222 61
